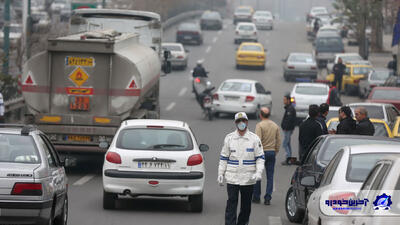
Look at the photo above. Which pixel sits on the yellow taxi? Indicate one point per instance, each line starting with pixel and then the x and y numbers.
pixel 353 74
pixel 381 127
pixel 396 128
pixel 250 54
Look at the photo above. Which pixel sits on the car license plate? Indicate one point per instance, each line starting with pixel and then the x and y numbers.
pixel 187 37
pixel 154 165
pixel 231 98
pixel 79 138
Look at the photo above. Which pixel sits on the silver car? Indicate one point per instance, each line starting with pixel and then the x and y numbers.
pixel 386 112
pixel 33 183
pixel 376 77
pixel 240 95
pixel 299 65
pixel 263 20
pixel 245 32
pixel 179 55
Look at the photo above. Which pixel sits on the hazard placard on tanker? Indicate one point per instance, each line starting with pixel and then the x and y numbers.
pixel 79 61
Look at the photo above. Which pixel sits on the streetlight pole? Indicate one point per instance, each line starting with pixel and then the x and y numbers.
pixel 6 41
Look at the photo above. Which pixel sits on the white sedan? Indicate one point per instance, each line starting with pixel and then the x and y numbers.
pixel 240 95
pixel 306 94
pixel 263 20
pixel 154 158
pixel 179 55
pixel 245 32
pixel 342 179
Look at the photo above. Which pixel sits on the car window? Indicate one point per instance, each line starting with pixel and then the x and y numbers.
pixel 350 58
pixel 329 42
pixel 332 114
pixel 380 177
pixel 301 58
pixel 380 75
pixel 311 90
pixel 331 169
pixel 251 48
pixel 49 156
pixel 361 70
pixel 260 89
pixel 246 27
pixel 154 139
pixel 360 165
pixel 380 130
pixel 370 178
pixel 236 86
pixel 334 144
pixel 315 146
pixel 374 111
pixel 172 47
pixel 18 149
pixel 383 94
pixel 51 148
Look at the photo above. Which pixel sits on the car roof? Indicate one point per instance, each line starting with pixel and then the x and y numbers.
pixel 245 23
pixel 368 104
pixel 374 148
pixel 172 44
pixel 373 120
pixel 386 88
pixel 328 34
pixel 347 54
pixel 311 84
pixel 240 81
pixel 154 122
pixel 353 136
pixel 300 53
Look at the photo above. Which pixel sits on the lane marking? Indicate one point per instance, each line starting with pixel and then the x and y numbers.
pixel 274 220
pixel 170 106
pixel 182 92
pixel 208 49
pixel 215 39
pixel 83 180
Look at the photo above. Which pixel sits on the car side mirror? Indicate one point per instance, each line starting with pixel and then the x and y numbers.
pixel 267 92
pixel 308 181
pixel 66 162
pixel 103 145
pixel 204 147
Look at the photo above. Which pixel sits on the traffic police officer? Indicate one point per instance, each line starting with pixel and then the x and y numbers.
pixel 241 164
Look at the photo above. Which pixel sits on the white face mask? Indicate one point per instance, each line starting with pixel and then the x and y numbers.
pixel 241 126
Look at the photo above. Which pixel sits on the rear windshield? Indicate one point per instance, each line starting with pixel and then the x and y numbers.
pixel 188 26
pixel 361 164
pixel 172 47
pixel 263 14
pixel 246 27
pixel 251 48
pixel 213 15
pixel 18 149
pixel 335 144
pixel 380 128
pixel 154 139
pixel 350 58
pixel 243 10
pixel 373 111
pixel 311 90
pixel 236 86
pixel 329 42
pixel 380 75
pixel 301 58
pixel 386 94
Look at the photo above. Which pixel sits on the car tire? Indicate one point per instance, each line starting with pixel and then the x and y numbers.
pixel 109 200
pixel 62 219
pixel 293 213
pixel 196 203
pixel 237 66
pixel 262 67
pixel 305 220
pixel 286 77
pixel 216 114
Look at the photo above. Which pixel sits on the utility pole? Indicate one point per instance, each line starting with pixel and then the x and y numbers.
pixel 28 31
pixel 362 38
pixel 103 4
pixel 6 41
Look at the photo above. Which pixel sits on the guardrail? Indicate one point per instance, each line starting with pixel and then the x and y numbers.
pixel 183 16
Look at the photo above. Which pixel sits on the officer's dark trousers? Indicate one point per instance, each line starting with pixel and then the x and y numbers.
pixel 246 193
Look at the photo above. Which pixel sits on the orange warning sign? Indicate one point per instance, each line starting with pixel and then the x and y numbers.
pixel 29 79
pixel 78 76
pixel 132 84
pixel 79 91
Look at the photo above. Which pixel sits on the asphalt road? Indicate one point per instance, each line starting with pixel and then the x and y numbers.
pixel 178 103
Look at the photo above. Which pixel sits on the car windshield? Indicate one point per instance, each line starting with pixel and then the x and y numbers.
pixel 319 11
pixel 188 26
pixel 301 59
pixel 380 128
pixel 243 10
pixel 335 144
pixel 246 27
pixel 212 15
pixel 262 14
pixel 374 111
pixel 361 164
pixel 311 90
pixel 251 48
pixel 383 94
pixel 361 70
pixel 172 47
pixel 154 139
pixel 329 42
pixel 380 75
pixel 236 86
pixel 18 149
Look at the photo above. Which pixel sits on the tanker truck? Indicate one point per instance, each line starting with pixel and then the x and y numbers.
pixel 83 86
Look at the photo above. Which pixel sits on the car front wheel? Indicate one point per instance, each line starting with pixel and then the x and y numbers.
pixel 293 212
pixel 196 203
pixel 109 200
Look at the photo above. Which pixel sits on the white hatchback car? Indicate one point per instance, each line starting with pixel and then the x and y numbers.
pixel 245 32
pixel 179 55
pixel 154 158
pixel 343 178
pixel 240 95
pixel 263 20
pixel 306 94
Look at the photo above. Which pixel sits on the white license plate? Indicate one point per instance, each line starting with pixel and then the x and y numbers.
pixel 154 165
pixel 187 37
pixel 231 98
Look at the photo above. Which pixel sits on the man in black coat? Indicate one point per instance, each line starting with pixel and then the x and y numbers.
pixel 309 130
pixel 288 124
pixel 364 125
pixel 321 118
pixel 338 70
pixel 199 70
pixel 347 124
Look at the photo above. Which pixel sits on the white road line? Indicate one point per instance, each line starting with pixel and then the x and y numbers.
pixel 208 49
pixel 219 32
pixel 182 92
pixel 83 180
pixel 170 106
pixel 274 220
pixel 215 39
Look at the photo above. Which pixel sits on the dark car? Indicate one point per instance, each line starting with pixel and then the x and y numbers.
pixel 189 33
pixel 321 152
pixel 327 44
pixel 385 95
pixel 211 20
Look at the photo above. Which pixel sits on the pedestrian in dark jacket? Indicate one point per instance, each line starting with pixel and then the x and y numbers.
pixel 347 124
pixel 309 130
pixel 364 125
pixel 338 70
pixel 323 112
pixel 288 124
pixel 334 96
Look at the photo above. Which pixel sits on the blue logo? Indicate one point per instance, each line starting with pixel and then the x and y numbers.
pixel 383 202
